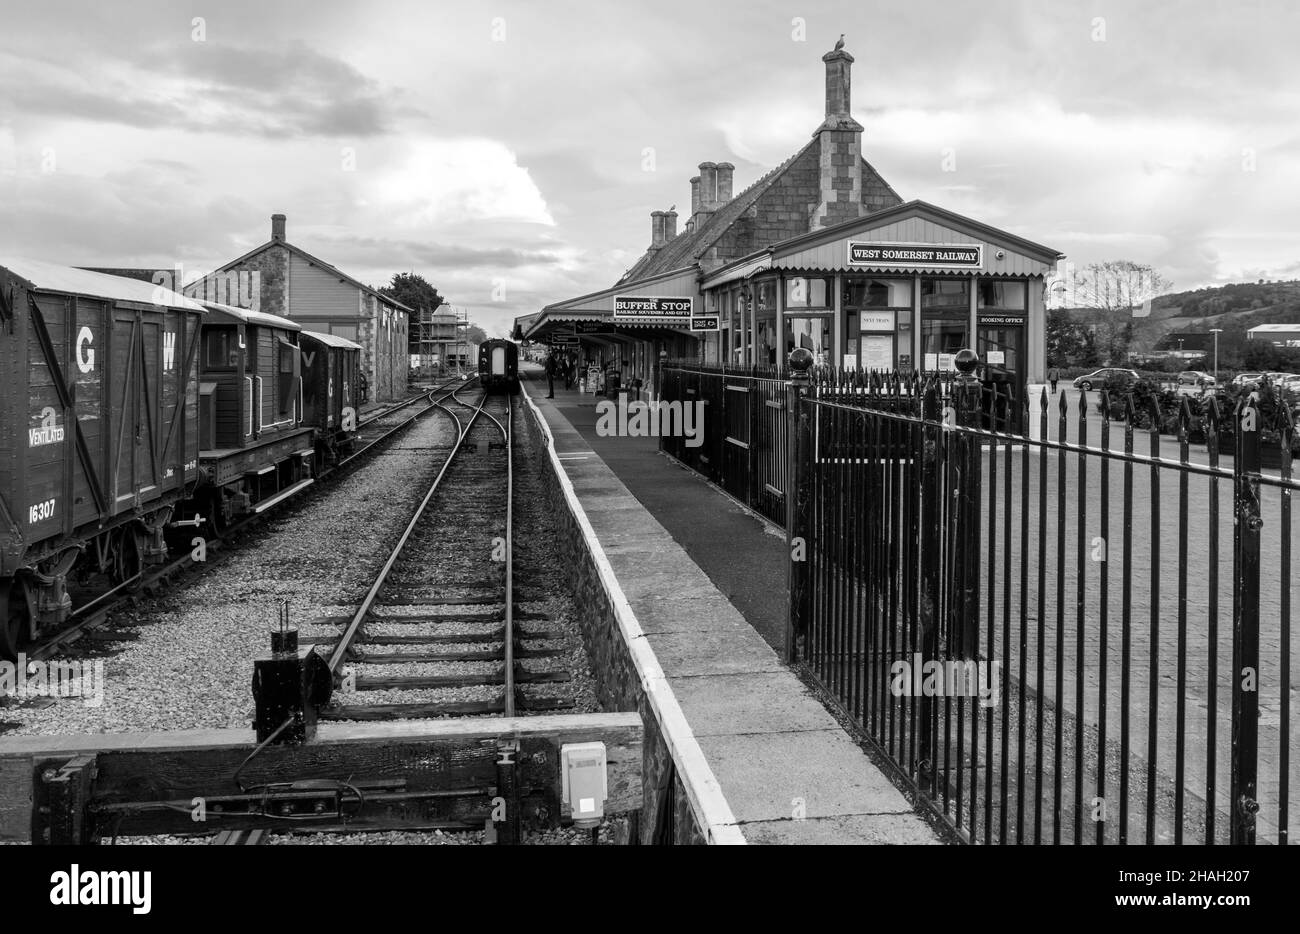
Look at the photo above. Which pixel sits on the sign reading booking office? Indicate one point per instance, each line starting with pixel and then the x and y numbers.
pixel 929 255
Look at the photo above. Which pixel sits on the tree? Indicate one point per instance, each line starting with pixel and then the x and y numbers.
pixel 1112 294
pixel 475 334
pixel 413 291
pixel 1069 344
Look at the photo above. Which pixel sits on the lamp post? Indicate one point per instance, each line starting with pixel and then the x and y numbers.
pixel 1216 332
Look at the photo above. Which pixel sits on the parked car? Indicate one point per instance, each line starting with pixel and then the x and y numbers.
pixel 1198 378
pixel 1097 378
pixel 1241 379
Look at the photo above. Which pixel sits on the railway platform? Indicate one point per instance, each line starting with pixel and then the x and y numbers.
pixel 762 760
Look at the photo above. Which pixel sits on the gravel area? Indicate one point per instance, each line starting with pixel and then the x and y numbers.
pixel 192 663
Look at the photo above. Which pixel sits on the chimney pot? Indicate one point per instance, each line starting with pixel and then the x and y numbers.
pixel 725 170
pixel 277 227
pixel 708 186
pixel 670 225
pixel 656 229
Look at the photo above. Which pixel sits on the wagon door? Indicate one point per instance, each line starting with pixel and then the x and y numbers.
pixel 61 475
pixel 124 402
pixel 148 411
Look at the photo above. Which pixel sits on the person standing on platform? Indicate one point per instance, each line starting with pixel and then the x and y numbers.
pixel 1053 377
pixel 550 375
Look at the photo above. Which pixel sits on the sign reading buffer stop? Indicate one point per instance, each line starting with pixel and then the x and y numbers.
pixel 929 255
pixel 653 308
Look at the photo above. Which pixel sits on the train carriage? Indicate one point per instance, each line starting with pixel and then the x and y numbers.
pixel 331 371
pixel 98 439
pixel 255 448
pixel 498 365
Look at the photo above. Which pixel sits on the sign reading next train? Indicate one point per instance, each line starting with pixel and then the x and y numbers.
pixel 652 307
pixel 951 255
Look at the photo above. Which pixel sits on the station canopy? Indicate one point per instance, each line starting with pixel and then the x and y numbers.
pixel 643 309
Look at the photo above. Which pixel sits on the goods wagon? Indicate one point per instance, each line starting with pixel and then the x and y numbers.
pixel 254 448
pixel 498 365
pixel 331 374
pixel 98 432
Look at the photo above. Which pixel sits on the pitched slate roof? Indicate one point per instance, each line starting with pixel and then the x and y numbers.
pixel 686 248
pixel 334 270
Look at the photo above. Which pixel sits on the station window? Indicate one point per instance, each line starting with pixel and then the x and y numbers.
pixel 813 333
pixel 1002 294
pixel 807 293
pixel 946 295
pixel 878 293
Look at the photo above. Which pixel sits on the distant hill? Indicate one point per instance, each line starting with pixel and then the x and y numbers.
pixel 1238 304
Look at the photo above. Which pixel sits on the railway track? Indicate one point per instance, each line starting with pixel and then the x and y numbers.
pixel 374 431
pixel 439 617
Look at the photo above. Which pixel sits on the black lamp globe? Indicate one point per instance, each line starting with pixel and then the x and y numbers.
pixel 801 359
pixel 966 361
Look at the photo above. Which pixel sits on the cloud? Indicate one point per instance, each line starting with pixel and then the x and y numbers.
pixel 208 87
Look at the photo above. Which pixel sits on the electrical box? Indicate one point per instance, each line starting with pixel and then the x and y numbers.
pixel 583 782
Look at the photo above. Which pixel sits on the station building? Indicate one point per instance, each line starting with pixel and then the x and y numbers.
pixel 821 253
pixel 294 284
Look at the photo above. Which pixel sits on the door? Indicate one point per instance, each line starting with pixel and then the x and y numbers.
pixel 1002 352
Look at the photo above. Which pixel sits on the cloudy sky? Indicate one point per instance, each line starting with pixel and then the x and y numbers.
pixel 512 152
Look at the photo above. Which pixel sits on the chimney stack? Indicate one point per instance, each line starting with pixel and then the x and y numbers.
pixel 670 225
pixel 838 83
pixel 725 170
pixel 840 142
pixel 695 197
pixel 656 229
pixel 277 227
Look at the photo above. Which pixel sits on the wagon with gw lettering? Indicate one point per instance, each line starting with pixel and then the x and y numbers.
pixel 99 441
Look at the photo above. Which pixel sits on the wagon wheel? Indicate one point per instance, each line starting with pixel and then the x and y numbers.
pixel 217 523
pixel 13 620
pixel 126 559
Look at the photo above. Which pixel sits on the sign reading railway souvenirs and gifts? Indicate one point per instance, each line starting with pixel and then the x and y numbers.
pixel 649 308
pixel 949 255
pixel 705 323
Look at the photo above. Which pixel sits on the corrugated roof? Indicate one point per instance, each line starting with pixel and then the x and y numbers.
pixel 54 278
pixel 332 340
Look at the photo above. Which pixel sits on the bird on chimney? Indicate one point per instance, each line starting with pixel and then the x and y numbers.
pixel 673 208
pixel 839 45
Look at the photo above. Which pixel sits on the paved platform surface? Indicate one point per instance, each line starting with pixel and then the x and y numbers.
pixel 706 580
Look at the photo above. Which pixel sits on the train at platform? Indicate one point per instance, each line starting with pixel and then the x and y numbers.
pixel 498 365
pixel 132 416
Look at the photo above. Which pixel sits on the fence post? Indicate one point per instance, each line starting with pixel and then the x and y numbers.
pixel 753 401
pixel 799 451
pixel 1245 624
pixel 968 397
pixel 929 603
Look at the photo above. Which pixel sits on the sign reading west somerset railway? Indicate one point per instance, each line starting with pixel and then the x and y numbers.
pixel 651 308
pixel 953 255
